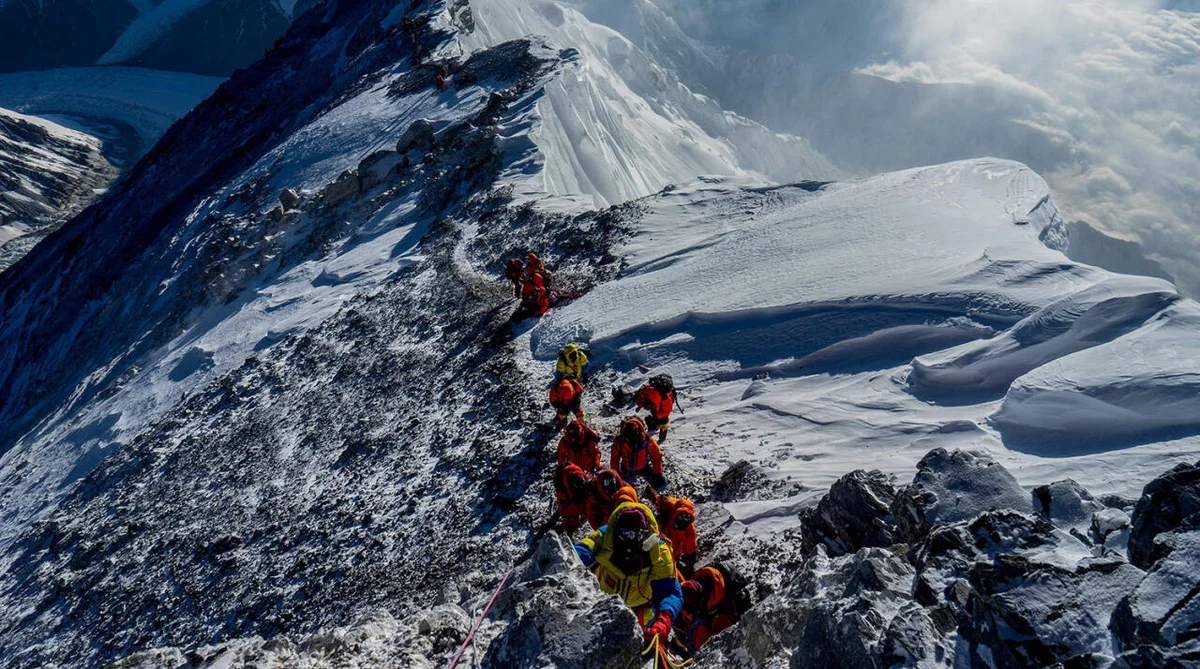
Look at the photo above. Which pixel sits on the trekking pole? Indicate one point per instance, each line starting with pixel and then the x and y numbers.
pixel 475 653
pixel 537 536
pixel 471 634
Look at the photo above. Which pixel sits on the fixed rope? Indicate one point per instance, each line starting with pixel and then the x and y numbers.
pixel 479 620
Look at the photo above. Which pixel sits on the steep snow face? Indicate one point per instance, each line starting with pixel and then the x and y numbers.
pixel 620 126
pixel 48 173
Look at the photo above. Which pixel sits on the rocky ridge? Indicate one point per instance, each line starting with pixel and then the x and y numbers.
pixel 963 568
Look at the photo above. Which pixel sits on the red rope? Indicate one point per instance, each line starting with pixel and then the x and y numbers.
pixel 480 619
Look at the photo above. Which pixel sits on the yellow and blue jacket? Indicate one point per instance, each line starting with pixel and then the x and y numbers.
pixel 655 585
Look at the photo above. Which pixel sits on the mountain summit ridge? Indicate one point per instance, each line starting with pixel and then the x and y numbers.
pixel 270 383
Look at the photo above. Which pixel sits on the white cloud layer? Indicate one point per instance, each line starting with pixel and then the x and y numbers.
pixel 1114 82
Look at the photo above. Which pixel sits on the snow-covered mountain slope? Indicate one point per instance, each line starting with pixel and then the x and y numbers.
pixel 624 125
pixel 269 383
pixel 129 109
pixel 212 37
pixel 48 173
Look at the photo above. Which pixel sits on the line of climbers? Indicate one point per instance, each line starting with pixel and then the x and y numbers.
pixel 644 552
pixel 531 285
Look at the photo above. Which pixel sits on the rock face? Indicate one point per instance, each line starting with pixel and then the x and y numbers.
pixel 1168 503
pixel 289 198
pixel 556 611
pixel 1158 623
pixel 1067 504
pixel 418 137
pixel 957 569
pixel 47 175
pixel 855 514
pixel 951 487
pixel 343 188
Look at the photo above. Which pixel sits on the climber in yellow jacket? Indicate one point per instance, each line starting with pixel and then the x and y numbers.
pixel 630 560
pixel 572 361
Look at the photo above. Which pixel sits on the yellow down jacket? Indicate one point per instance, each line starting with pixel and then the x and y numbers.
pixel 655 585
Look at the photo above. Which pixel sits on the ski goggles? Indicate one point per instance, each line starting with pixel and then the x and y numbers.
pixel 630 535
pixel 683 520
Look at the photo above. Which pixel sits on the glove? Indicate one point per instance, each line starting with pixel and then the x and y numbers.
pixel 659 627
pixel 658 481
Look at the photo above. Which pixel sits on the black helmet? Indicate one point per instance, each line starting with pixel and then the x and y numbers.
pixel 682 520
pixel 610 482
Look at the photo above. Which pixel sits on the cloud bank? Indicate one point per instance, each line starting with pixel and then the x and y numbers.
pixel 1114 83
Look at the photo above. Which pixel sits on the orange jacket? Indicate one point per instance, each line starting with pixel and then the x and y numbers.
pixel 697 623
pixel 571 491
pixel 564 393
pixel 636 458
pixel 580 445
pixel 534 296
pixel 650 399
pixel 683 541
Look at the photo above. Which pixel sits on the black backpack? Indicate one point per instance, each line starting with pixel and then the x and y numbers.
pixel 737 586
pixel 663 384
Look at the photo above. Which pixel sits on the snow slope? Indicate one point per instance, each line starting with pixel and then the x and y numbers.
pixel 791 314
pixel 621 126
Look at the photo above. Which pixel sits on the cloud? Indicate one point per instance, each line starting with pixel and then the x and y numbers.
pixel 1115 82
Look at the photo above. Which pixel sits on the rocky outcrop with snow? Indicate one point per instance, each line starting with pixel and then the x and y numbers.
pixel 547 613
pixel 984 582
pixel 47 174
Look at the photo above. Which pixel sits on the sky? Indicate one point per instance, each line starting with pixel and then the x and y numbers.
pixel 1110 89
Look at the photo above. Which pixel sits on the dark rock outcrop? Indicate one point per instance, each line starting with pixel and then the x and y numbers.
pixel 1158 623
pixel 1169 502
pixel 991 578
pixel 855 514
pixel 418 137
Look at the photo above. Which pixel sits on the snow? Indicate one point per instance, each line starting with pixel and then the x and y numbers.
pixel 816 291
pixel 1145 384
pixel 148 29
pixel 619 127
pixel 9 232
pixel 812 328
